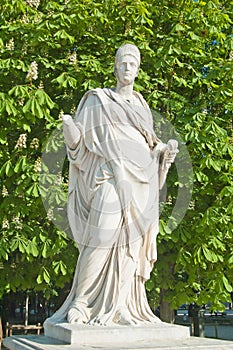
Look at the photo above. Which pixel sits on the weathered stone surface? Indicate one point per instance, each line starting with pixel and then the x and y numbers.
pixel 104 335
pixel 117 167
pixel 35 342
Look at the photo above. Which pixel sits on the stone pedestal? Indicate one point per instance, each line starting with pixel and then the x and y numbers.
pixel 103 335
pixel 161 336
pixel 35 342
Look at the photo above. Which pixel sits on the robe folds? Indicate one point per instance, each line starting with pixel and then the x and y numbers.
pixel 113 208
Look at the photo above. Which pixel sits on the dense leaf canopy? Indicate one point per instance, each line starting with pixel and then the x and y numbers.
pixel 54 51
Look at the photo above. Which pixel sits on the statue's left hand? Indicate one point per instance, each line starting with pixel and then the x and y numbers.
pixel 172 150
pixel 167 157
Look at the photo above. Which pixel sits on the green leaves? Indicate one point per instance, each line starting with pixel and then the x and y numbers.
pixel 7 105
pixel 60 267
pixel 33 190
pixel 7 168
pixel 64 36
pixel 44 276
pixel 4 249
pixel 20 243
pixel 209 255
pixel 65 81
pixel 186 75
pixel 39 105
pixel 227 284
pixel 33 247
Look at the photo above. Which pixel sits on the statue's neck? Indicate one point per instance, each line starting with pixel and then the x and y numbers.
pixel 126 91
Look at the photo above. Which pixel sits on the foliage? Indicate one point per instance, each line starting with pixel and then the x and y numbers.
pixel 194 90
pixel 54 51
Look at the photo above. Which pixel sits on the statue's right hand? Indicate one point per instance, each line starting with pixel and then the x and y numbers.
pixel 71 132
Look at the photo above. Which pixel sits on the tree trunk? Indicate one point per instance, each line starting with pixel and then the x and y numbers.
pixel 166 312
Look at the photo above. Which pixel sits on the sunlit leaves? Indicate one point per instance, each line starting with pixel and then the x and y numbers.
pixel 65 81
pixel 60 267
pixel 4 249
pixel 63 35
pixel 193 87
pixel 39 104
pixel 186 75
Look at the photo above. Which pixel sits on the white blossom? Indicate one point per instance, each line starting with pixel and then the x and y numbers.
pixel 169 200
pixel 73 109
pixel 191 205
pixel 5 223
pixel 73 58
pixel 25 19
pixel 231 55
pixel 25 48
pixel 21 102
pixel 35 143
pixel 21 142
pixel 37 165
pixel 50 13
pixel 4 191
pixel 60 115
pixel 10 45
pixel 18 224
pixel 33 71
pixel 41 85
pixel 33 3
pixel 59 179
pixel 50 215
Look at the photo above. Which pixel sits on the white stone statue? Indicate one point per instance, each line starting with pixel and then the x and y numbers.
pixel 117 167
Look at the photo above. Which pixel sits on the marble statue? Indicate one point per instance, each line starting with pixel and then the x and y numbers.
pixel 117 167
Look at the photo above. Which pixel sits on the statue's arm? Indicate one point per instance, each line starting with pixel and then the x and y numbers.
pixel 71 132
pixel 167 157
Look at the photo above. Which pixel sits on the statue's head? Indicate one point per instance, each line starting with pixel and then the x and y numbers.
pixel 125 53
pixel 128 49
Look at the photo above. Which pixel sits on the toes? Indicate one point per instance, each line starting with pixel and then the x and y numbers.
pixel 73 316
pixel 95 321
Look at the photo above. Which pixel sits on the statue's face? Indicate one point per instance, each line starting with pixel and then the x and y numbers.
pixel 126 70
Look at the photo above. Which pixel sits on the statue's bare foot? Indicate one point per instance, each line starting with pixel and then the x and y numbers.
pixel 123 317
pixel 95 321
pixel 74 316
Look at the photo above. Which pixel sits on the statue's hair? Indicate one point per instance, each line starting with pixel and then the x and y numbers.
pixel 128 49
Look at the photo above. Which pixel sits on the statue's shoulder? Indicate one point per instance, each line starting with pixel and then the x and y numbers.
pixel 141 98
pixel 97 92
pixel 92 97
pixel 138 95
pixel 90 93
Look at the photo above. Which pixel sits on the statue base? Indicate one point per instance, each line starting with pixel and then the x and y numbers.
pixel 104 335
pixel 160 336
pixel 40 342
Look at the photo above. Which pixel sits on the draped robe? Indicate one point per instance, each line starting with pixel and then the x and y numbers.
pixel 114 182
